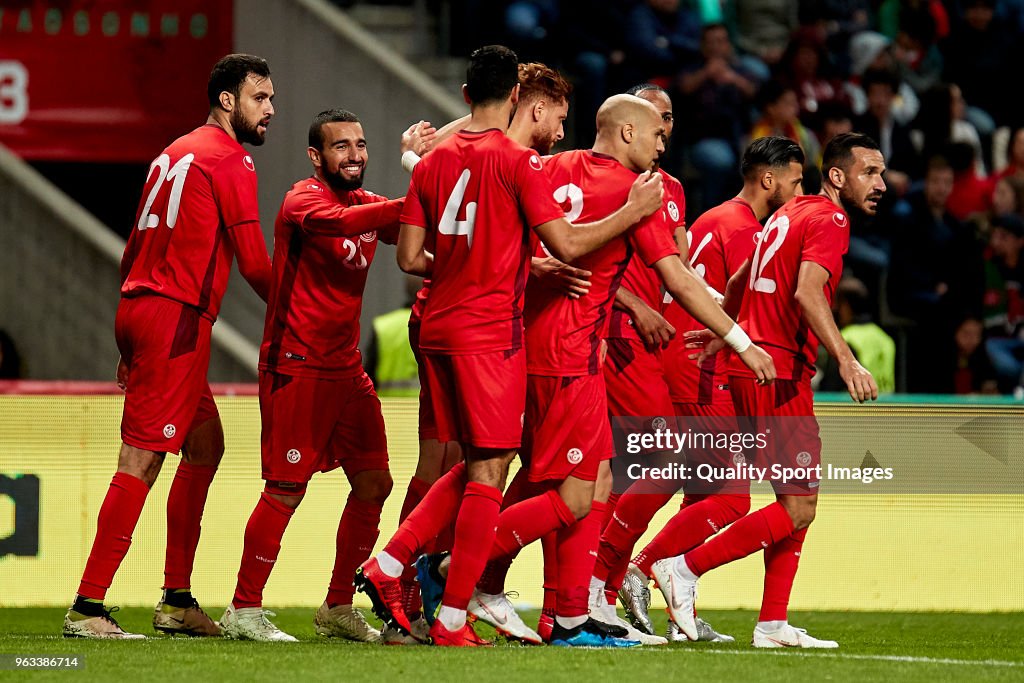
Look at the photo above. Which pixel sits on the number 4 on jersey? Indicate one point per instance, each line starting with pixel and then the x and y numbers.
pixel 448 225
pixel 177 173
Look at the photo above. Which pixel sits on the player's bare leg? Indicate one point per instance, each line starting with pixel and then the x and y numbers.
pixel 137 470
pixel 178 612
pixel 357 533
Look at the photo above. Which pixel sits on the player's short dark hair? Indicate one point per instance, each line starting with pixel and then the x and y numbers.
pixel 492 73
pixel 886 77
pixel 645 87
pixel 539 81
pixel 316 128
pixel 839 150
pixel 230 72
pixel 769 152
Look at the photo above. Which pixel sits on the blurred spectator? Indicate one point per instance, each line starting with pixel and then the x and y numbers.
pixel 870 51
pixel 10 359
pixel 808 69
pixel 1008 196
pixel 977 55
pixel 780 117
pixel 935 275
pixel 716 114
pixel 973 373
pixel 891 12
pixel 762 29
pixel 972 193
pixel 661 38
pixel 915 50
pixel 595 50
pixel 873 347
pixel 1015 155
pixel 941 121
pixel 529 25
pixel 892 136
pixel 1003 305
pixel 390 361
pixel 833 119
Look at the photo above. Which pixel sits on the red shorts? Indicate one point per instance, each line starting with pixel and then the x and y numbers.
pixel 428 425
pixel 566 430
pixel 478 399
pixel 316 425
pixel 635 379
pixel 166 346
pixel 786 407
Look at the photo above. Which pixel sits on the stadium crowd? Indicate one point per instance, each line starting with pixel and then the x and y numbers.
pixel 940 266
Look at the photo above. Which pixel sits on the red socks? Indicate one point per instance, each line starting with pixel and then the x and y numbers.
pixel 263 536
pixel 118 516
pixel 628 523
pixel 780 565
pixel 437 509
pixel 357 532
pixel 185 505
pixel 754 532
pixel 417 490
pixel 691 526
pixel 474 536
pixel 577 547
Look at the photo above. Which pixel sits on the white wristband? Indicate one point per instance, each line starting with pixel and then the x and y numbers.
pixel 409 160
pixel 716 295
pixel 737 339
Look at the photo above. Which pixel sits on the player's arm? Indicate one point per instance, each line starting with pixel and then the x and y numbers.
pixel 567 242
pixel 810 295
pixel 253 259
pixel 734 290
pixel 652 327
pixel 571 281
pixel 692 294
pixel 413 258
pixel 417 140
pixel 315 215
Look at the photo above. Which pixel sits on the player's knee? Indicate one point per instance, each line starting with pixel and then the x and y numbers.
pixel 801 510
pixel 579 507
pixel 141 464
pixel 286 495
pixel 372 487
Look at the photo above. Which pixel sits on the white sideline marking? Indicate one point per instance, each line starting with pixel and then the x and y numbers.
pixel 876 658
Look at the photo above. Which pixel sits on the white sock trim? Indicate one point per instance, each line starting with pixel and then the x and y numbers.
pixel 389 565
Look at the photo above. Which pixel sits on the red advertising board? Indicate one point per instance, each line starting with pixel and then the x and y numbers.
pixel 106 80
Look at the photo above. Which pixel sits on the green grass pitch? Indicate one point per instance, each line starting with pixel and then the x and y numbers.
pixel 874 646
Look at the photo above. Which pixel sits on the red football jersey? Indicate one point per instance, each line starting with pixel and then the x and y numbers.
pixel 712 236
pixel 202 185
pixel 563 335
pixel 807 228
pixel 478 194
pixel 323 246
pixel 644 281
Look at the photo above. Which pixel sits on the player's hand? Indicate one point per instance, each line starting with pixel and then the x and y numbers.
pixel 122 374
pixel 419 138
pixel 859 381
pixel 652 327
pixel 571 281
pixel 758 360
pixel 706 341
pixel 646 193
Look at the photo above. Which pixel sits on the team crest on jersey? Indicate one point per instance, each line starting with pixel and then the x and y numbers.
pixel 574 456
pixel 659 423
pixel 312 186
pixel 368 236
pixel 293 456
pixel 803 458
pixel 839 219
pixel 169 431
pixel 247 162
pixel 535 163
pixel 673 210
pixel 738 459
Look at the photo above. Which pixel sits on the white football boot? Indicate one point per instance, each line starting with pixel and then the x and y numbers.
pixel 251 623
pixel 789 636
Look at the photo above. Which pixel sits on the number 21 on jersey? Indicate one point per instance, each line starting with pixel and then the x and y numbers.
pixel 176 173
pixel 767 247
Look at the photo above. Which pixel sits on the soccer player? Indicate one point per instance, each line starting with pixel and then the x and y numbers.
pixel 720 240
pixel 473 202
pixel 318 407
pixel 198 209
pixel 795 268
pixel 537 124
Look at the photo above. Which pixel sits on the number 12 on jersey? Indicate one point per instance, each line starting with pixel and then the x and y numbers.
pixel 758 282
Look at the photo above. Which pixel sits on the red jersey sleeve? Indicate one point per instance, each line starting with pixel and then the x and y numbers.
pixel 234 187
pixel 739 247
pixel 412 211
pixel 826 239
pixel 652 238
pixel 536 197
pixel 315 213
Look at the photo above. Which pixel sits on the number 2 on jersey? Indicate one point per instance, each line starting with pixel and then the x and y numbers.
pixel 448 225
pixel 759 283
pixel 177 173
